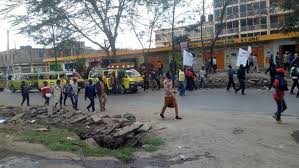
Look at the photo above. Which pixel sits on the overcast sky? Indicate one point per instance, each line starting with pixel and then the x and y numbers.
pixel 126 39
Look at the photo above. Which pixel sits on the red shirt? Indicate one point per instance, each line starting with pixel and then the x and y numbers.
pixel 45 90
pixel 278 94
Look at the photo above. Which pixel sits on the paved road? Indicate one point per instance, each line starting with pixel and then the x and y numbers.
pixel 212 100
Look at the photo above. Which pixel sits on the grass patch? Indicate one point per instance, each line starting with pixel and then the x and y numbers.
pixel 56 140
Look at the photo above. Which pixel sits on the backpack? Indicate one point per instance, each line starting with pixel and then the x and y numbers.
pixel 283 85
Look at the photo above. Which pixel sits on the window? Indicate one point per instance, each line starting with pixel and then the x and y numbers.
pixel 263 20
pixel 263 6
pixel 235 24
pixel 235 10
pixel 229 25
pixel 243 23
pixel 249 22
pixel 256 21
pixel 243 9
pixel 44 76
pixel 53 76
pixel 229 11
pixel 249 7
pixel 263 33
pixel 256 6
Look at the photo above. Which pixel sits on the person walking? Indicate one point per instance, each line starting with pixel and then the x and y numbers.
pixel 231 81
pixel 46 93
pixel 57 91
pixel 193 79
pixel 68 92
pixel 214 64
pixel 202 76
pixel 255 64
pixel 113 82
pixel 102 95
pixel 145 80
pixel 280 85
pixel 294 73
pixel 75 93
pixel 119 82
pixel 272 70
pixel 169 97
pixel 25 93
pixel 182 82
pixel 90 93
pixel 189 78
pixel 286 61
pixel 241 77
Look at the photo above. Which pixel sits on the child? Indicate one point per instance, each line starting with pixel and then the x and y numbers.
pixel 280 86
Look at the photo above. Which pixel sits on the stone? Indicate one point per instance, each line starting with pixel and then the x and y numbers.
pixel 145 128
pixel 128 129
pixel 79 119
pixel 91 142
pixel 70 138
pixel 116 116
pixel 17 117
pixel 96 118
pixel 42 129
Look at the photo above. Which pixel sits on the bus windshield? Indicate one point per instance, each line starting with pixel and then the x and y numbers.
pixel 133 73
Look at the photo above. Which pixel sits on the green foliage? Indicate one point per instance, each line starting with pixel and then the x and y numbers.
pixel 80 65
pixel 56 140
pixel 56 67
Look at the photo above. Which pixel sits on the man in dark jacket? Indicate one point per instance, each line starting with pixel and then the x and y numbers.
pixel 272 70
pixel 90 93
pixel 25 93
pixel 241 77
pixel 231 81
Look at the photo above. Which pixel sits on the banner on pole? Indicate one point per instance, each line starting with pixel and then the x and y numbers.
pixel 187 58
pixel 243 56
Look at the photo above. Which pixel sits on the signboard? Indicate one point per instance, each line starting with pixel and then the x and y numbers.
pixel 187 58
pixel 184 46
pixel 243 56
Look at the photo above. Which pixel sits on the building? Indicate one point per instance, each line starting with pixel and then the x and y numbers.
pixel 163 37
pixel 26 59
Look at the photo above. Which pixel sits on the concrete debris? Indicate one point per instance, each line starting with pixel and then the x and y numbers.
pixel 95 128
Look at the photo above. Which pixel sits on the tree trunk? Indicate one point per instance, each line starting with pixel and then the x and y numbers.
pixel 172 29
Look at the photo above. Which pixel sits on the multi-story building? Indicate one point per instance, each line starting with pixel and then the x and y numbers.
pixel 163 37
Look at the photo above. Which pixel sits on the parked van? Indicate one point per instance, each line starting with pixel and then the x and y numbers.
pixel 132 80
pixel 35 80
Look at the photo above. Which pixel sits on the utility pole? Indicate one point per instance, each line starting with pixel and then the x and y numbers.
pixel 7 59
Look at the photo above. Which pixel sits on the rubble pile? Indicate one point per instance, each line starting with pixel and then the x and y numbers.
pixel 107 131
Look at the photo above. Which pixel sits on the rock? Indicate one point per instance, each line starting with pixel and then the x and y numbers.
pixel 70 138
pixel 250 81
pixel 96 118
pixel 116 116
pixel 128 129
pixel 145 128
pixel 17 117
pixel 130 117
pixel 42 129
pixel 79 119
pixel 91 142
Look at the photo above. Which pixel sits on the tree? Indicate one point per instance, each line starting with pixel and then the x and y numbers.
pixel 144 28
pixel 96 20
pixel 291 23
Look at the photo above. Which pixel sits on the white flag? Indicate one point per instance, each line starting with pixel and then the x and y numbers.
pixel 187 58
pixel 242 57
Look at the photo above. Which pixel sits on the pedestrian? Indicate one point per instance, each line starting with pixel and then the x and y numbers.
pixel 250 64
pixel 75 93
pixel 291 57
pixel 272 70
pixel 182 82
pixel 278 59
pixel 241 77
pixel 294 73
pixel 214 64
pixel 113 82
pixel 255 64
pixel 119 82
pixel 202 76
pixel 145 80
pixel 296 60
pixel 169 97
pixel 210 67
pixel 189 78
pixel 57 91
pixel 280 85
pixel 90 93
pixel 286 61
pixel 102 95
pixel 68 92
pixel 231 81
pixel 46 93
pixel 25 93
pixel 193 79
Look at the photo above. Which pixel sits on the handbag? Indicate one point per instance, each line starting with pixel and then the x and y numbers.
pixel 48 95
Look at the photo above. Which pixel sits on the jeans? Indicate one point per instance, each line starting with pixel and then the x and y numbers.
pixel 242 86
pixel 91 104
pixel 120 88
pixel 66 95
pixel 231 82
pixel 182 88
pixel 114 89
pixel 146 85
pixel 281 107
pixel 47 101
pixel 25 97
pixel 103 101
pixel 271 83
pixel 295 83
pixel 75 100
pixel 203 81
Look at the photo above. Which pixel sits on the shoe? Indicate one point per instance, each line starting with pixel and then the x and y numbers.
pixel 88 109
pixel 162 116
pixel 178 118
pixel 244 94
pixel 274 116
pixel 236 91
